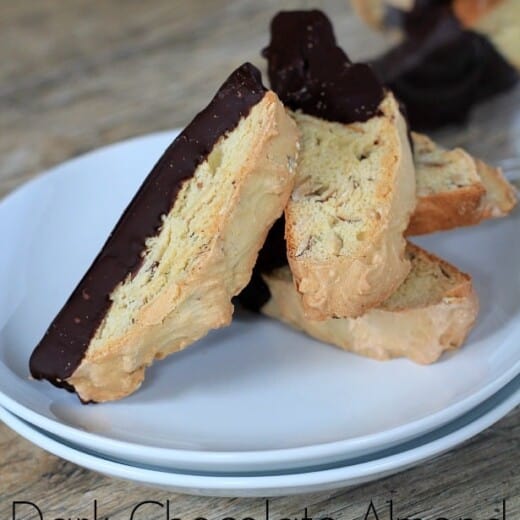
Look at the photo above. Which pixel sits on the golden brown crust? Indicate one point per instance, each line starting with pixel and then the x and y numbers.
pixel 186 310
pixel 485 192
pixel 447 210
pixel 419 332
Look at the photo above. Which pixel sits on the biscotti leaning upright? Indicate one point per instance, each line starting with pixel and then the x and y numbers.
pixel 355 182
pixel 182 249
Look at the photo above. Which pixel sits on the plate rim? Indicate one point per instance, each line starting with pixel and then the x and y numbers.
pixel 322 450
pixel 245 484
pixel 243 458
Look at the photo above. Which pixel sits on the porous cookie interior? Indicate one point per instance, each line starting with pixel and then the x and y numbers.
pixel 439 170
pixel 341 184
pixel 188 231
pixel 428 282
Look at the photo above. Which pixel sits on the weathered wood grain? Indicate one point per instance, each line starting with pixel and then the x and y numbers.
pixel 79 74
pixel 469 482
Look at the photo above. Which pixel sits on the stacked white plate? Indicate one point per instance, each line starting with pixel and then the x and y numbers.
pixel 254 409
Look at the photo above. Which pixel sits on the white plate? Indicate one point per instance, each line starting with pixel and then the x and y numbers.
pixel 349 473
pixel 254 396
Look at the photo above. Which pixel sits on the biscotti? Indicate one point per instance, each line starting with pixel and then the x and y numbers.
pixel 355 181
pixel 498 20
pixel 455 189
pixel 183 248
pixel 430 313
pixel 441 67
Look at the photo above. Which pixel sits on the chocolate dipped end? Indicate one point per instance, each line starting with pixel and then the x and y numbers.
pixel 309 72
pixel 440 70
pixel 66 341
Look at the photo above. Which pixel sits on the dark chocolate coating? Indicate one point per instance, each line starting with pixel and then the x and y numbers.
pixel 65 343
pixel 440 70
pixel 309 72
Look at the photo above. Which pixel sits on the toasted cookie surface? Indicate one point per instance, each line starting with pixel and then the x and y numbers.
pixel 184 246
pixel 455 189
pixel 430 313
pixel 442 66
pixel 355 185
pixel 354 194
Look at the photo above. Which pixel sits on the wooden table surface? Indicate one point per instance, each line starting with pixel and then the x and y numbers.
pixel 79 74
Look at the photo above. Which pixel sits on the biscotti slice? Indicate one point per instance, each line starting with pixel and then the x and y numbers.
pixel 449 189
pixel 455 189
pixel 440 68
pixel 431 312
pixel 498 20
pixel 355 181
pixel 184 246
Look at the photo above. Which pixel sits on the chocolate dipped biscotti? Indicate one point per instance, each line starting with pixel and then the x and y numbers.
pixel 453 188
pixel 452 54
pixel 355 181
pixel 497 20
pixel 185 245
